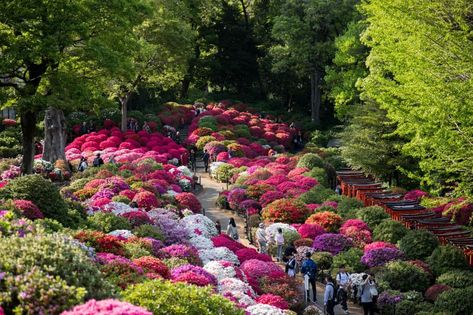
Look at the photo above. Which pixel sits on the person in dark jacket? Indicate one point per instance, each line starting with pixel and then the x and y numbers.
pixel 309 268
pixel 206 158
pixel 98 161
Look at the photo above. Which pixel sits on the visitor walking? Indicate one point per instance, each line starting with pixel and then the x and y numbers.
pixel 82 164
pixel 279 240
pixel 374 292
pixel 112 160
pixel 218 226
pixel 193 159
pixel 232 230
pixel 365 296
pixel 329 296
pixel 261 239
pixel 309 269
pixel 343 281
pixel 291 266
pixel 206 158
pixel 98 161
pixel 289 251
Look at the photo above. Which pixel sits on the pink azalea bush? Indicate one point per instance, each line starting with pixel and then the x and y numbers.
pixel 274 300
pixel 188 201
pixel 245 254
pixel 107 307
pixel 28 209
pixel 310 230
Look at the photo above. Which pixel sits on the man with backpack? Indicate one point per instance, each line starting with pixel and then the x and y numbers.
pixel 309 269
pixel 329 296
pixel 343 282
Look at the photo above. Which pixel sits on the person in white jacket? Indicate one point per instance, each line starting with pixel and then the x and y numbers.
pixel 279 240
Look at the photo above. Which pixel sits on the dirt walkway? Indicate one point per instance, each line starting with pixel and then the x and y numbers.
pixel 207 198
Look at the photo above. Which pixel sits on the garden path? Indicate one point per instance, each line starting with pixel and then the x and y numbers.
pixel 207 198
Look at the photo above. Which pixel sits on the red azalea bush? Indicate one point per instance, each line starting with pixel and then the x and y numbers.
pixel 434 291
pixel 122 272
pixel 101 242
pixel 304 242
pixel 107 307
pixel 137 218
pixel 415 194
pixel 310 230
pixel 274 300
pixel 28 209
pixel 146 199
pixel 153 265
pixel 188 201
pixel 9 122
pixel 256 191
pixel 286 210
pixel 256 269
pixel 245 254
pixel 223 240
pixel 328 220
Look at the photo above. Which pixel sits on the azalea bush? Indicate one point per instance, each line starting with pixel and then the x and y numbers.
pixel 328 220
pixel 434 291
pixel 456 278
pixel 310 230
pixel 389 231
pixel 404 276
pixel 351 259
pixel 107 307
pixel 455 301
pixel 446 258
pixel 373 215
pixel 188 201
pixel 286 210
pixel 332 243
pixel 27 209
pixel 380 256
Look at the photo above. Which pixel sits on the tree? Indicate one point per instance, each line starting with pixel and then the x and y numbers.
pixel 305 33
pixel 161 59
pixel 420 72
pixel 58 53
pixel 344 76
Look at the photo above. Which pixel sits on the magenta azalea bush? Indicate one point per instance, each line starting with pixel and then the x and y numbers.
pixel 332 243
pixel 107 307
pixel 193 275
pixel 310 230
pixel 380 256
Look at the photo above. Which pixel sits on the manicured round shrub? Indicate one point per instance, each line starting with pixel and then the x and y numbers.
pixel 373 215
pixel 456 301
pixel 456 278
pixel 351 259
pixel 59 254
pixel 404 276
pixel 186 299
pixel 347 207
pixel 389 231
pixel 149 230
pixel 434 291
pixel 324 260
pixel 310 160
pixel 107 307
pixel 286 210
pixel 320 174
pixel 418 244
pixel 407 307
pixel 317 195
pixel 107 222
pixel 43 193
pixel 446 258
pixel 153 265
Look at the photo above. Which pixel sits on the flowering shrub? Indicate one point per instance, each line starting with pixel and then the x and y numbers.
pixel 310 230
pixel 147 200
pixel 28 209
pixel 328 220
pixel 355 223
pixel 332 243
pixel 153 265
pixel 181 251
pixel 188 201
pixel 274 300
pixel 376 245
pixel 218 253
pixel 107 307
pixel 380 256
pixel 226 241
pixel 256 269
pixel 224 269
pixel 137 218
pixel 193 275
pixel 121 272
pixel 245 254
pixel 359 237
pixel 418 244
pixel 270 196
pixel 404 276
pixel 286 210
pixel 389 298
pixel 415 194
pixel 236 197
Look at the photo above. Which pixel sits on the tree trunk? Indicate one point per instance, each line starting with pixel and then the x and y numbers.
pixel 124 110
pixel 55 135
pixel 245 13
pixel 186 81
pixel 28 127
pixel 315 96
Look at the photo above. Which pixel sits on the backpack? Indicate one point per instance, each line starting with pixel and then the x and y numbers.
pixel 336 298
pixel 312 269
